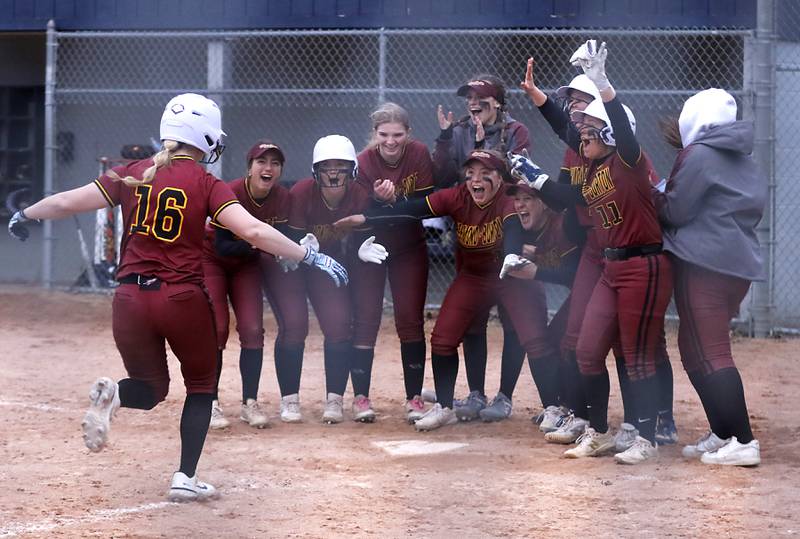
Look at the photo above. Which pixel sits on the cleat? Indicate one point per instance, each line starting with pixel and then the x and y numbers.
pixel 568 431
pixel 334 409
pixel 362 409
pixel 415 409
pixel 188 489
pixel 591 444
pixel 709 442
pixel 666 432
pixel 290 409
pixel 552 418
pixel 104 403
pixel 734 453
pixel 498 410
pixel 625 437
pixel 428 395
pixel 639 451
pixel 436 417
pixel 469 408
pixel 218 419
pixel 253 415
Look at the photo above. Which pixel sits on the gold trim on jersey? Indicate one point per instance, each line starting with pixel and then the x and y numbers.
pixel 222 207
pixel 104 192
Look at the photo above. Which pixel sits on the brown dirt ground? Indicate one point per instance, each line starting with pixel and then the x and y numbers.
pixel 312 480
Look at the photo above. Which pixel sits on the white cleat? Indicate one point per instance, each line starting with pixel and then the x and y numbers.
pixel 639 451
pixel 415 409
pixel 707 443
pixel 625 437
pixel 362 410
pixel 290 409
pixel 591 444
pixel 218 419
pixel 435 418
pixel 552 418
pixel 734 453
pixel 568 431
pixel 334 412
pixel 104 399
pixel 253 415
pixel 188 489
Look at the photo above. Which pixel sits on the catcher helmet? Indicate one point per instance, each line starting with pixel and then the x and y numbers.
pixel 597 109
pixel 195 120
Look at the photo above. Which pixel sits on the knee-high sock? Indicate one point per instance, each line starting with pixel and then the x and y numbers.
pixel 511 363
pixel 288 367
pixel 250 361
pixel 194 426
pixel 574 397
pixel 445 372
pixel 698 380
pixel 412 355
pixel 136 394
pixel 596 389
pixel 361 370
pixel 545 375
pixel 219 374
pixel 337 366
pixel 475 352
pixel 625 391
pixel 726 390
pixel 645 400
pixel 665 384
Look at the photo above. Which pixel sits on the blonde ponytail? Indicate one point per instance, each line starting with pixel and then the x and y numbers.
pixel 161 159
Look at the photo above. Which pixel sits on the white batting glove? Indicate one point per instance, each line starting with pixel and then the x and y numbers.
pixel 513 262
pixel 526 171
pixel 372 252
pixel 592 59
pixel 310 240
pixel 286 264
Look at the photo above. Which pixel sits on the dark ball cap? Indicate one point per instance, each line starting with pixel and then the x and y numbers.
pixel 483 88
pixel 263 146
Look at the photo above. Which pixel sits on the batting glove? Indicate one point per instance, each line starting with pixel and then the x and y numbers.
pixel 592 60
pixel 16 228
pixel 286 264
pixel 525 170
pixel 513 262
pixel 327 264
pixel 372 252
pixel 310 240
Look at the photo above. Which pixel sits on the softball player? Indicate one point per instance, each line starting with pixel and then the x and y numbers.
pixel 486 226
pixel 714 198
pixel 487 125
pixel 392 155
pixel 316 203
pixel 165 202
pixel 634 289
pixel 232 270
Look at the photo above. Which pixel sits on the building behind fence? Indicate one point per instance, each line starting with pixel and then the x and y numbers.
pixel 108 89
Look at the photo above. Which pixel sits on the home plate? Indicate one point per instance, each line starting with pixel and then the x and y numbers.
pixel 412 448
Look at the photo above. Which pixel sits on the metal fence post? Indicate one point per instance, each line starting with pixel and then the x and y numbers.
pixel 217 52
pixel 764 106
pixel 381 65
pixel 49 150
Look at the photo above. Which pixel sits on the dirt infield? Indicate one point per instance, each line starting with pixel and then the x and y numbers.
pixel 312 480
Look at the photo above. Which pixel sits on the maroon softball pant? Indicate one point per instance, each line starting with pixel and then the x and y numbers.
pixel 286 293
pixel 407 272
pixel 629 302
pixel 706 302
pixel 241 282
pixel 471 295
pixel 178 314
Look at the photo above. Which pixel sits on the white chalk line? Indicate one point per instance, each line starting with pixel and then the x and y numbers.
pixel 34 406
pixel 98 515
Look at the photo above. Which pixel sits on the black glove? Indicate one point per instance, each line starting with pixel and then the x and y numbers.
pixel 16 228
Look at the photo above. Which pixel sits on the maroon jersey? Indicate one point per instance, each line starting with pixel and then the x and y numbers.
pixel 577 167
pixel 552 244
pixel 479 229
pixel 310 213
pixel 165 219
pixel 411 176
pixel 273 210
pixel 620 202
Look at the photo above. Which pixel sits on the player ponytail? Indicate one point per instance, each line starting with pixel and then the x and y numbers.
pixel 160 159
pixel 671 132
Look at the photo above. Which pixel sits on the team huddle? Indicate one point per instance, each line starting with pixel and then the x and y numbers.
pixel 605 227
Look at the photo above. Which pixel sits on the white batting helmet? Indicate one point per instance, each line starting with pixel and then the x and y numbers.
pixel 334 147
pixel 597 109
pixel 582 83
pixel 195 120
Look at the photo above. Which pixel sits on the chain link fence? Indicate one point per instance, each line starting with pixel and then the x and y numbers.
pixel 296 86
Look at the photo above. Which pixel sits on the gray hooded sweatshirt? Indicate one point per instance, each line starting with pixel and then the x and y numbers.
pixel 714 198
